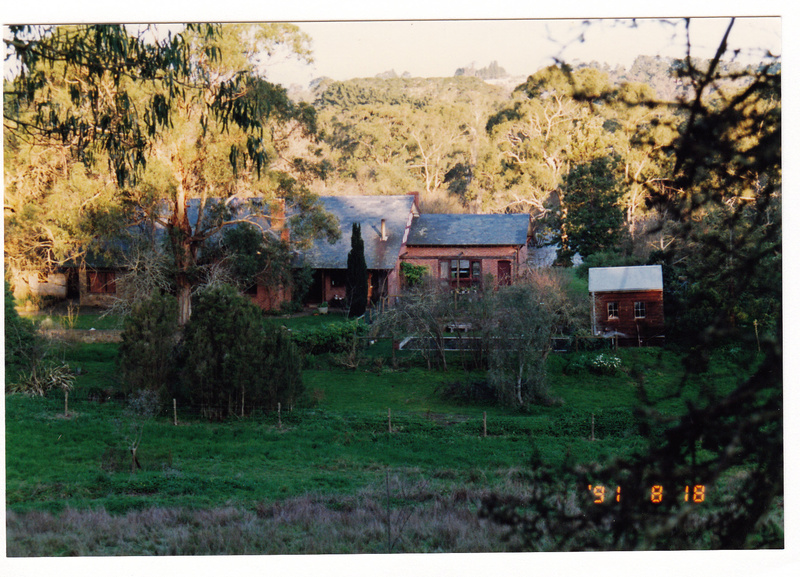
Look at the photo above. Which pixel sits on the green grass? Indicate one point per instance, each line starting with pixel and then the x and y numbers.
pixel 336 449
pixel 310 321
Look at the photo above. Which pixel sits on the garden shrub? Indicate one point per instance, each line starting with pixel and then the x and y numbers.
pixel 43 377
pixel 147 352
pixel 332 338
pixel 597 364
pixel 233 362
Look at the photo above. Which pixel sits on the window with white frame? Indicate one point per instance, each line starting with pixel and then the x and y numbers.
pixel 613 310
pixel 639 310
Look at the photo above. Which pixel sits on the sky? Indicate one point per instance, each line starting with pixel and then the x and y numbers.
pixel 345 50
pixel 352 38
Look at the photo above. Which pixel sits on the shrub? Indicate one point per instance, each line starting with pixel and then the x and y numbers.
pixel 331 338
pixel 605 364
pixel 233 361
pixel 598 364
pixel 20 336
pixel 147 352
pixel 413 275
pixel 42 377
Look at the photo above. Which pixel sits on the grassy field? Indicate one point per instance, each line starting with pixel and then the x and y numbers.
pixel 332 459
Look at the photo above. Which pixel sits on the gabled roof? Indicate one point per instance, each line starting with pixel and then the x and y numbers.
pixel 367 211
pixel 469 230
pixel 625 278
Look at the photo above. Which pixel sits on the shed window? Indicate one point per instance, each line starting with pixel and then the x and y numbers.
pixel 613 310
pixel 102 282
pixel 639 310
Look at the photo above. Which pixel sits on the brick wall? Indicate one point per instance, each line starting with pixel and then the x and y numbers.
pixel 650 326
pixel 489 256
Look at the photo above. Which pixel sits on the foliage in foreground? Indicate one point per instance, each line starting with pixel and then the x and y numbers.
pixel 148 349
pixel 727 170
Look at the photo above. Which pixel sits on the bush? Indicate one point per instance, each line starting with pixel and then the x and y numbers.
pixel 20 335
pixel 42 377
pixel 597 364
pixel 232 361
pixel 331 338
pixel 147 352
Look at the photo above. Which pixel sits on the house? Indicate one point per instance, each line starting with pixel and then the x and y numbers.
pixel 628 302
pixel 462 250
pixel 385 223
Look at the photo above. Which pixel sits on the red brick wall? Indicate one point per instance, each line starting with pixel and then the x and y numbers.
pixel 650 326
pixel 488 255
pixel 271 298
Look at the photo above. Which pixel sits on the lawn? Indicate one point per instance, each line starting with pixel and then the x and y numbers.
pixel 335 449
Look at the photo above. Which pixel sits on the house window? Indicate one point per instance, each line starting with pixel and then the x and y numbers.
pixel 338 278
pixel 460 272
pixel 613 310
pixel 639 310
pixel 102 282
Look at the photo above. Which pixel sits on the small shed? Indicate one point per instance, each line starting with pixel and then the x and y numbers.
pixel 628 302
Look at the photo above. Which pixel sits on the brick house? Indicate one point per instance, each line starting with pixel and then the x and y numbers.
pixel 628 302
pixel 462 250
pixel 385 223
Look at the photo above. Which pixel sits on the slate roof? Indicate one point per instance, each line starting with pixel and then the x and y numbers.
pixel 368 211
pixel 625 278
pixel 469 230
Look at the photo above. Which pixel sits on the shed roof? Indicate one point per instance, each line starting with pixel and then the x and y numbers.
pixel 368 211
pixel 469 230
pixel 625 278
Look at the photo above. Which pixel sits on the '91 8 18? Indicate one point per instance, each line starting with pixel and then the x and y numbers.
pixel 691 493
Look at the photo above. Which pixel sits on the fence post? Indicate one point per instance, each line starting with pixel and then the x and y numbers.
pixel 280 424
pixel 484 423
pixel 175 412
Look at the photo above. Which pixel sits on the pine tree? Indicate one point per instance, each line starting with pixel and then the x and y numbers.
pixel 357 275
pixel 234 362
pixel 146 354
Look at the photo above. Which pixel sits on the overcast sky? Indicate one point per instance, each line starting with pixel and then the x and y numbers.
pixel 352 38
pixel 345 50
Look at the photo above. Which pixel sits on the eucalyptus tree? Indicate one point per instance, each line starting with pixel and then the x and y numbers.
pixel 555 120
pixel 175 117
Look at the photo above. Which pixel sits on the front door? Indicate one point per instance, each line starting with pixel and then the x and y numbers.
pixel 504 272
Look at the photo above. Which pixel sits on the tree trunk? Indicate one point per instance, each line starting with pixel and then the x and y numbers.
pixel 180 230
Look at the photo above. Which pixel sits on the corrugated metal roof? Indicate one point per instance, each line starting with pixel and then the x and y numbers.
pixel 367 211
pixel 625 278
pixel 469 230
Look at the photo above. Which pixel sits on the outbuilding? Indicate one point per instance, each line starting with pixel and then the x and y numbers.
pixel 628 303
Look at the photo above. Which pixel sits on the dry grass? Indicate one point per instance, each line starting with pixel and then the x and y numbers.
pixel 421 521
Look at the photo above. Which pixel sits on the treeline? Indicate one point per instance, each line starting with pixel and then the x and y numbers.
pixel 594 155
